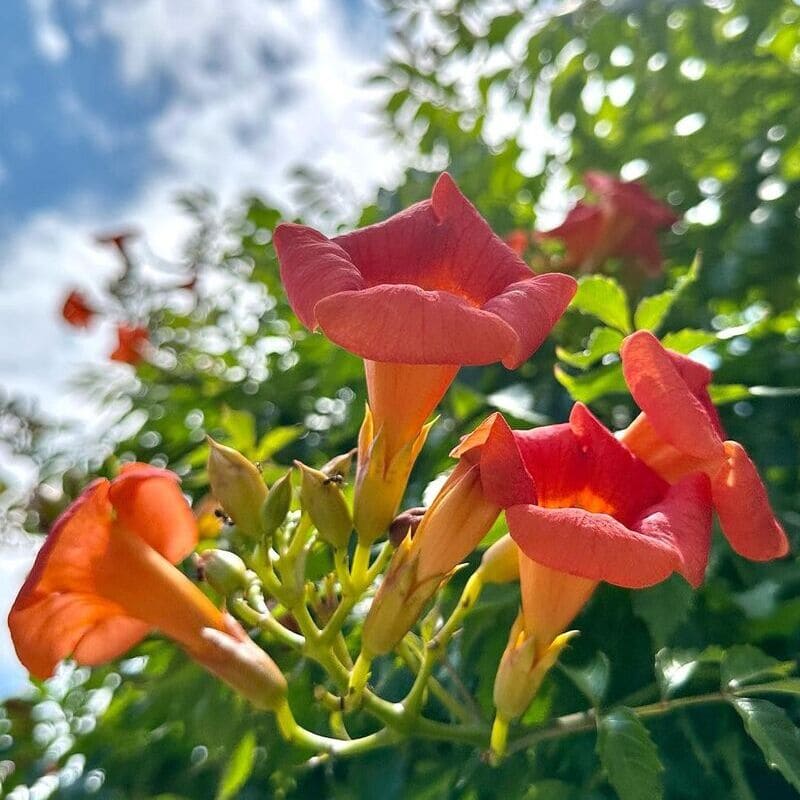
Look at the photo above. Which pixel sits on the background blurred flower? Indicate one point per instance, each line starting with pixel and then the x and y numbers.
pixel 77 311
pixel 622 222
pixel 131 341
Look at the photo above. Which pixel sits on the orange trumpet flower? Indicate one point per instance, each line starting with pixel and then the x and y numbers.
pixel 104 579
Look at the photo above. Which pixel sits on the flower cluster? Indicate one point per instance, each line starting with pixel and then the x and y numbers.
pixel 418 296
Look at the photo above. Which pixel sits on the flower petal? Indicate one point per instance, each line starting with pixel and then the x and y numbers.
pixel 743 507
pixel 312 267
pixel 148 503
pixel 493 446
pixel 581 232
pixel 663 388
pixel 591 545
pixel 683 520
pixel 53 626
pixel 442 243
pixel 531 307
pixel 406 324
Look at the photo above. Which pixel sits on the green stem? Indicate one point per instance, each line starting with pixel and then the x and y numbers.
pixel 380 562
pixel 587 720
pixel 469 596
pixel 266 623
pixel 438 644
pixel 359 574
pixel 414 660
pixel 292 732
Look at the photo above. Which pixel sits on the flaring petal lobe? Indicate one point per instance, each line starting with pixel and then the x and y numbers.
pixel 532 307
pixel 148 503
pixel 312 267
pixel 591 545
pixel 662 392
pixel 743 507
pixel 683 520
pixel 407 324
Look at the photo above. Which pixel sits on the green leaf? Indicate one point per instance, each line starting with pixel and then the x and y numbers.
pixel 239 768
pixel 687 340
pixel 240 427
pixel 629 756
pixel 604 298
pixel 589 386
pixel 722 393
pixel 517 401
pixel 674 668
pixel 591 678
pixel 601 342
pixel 785 686
pixel 771 729
pixel 663 607
pixel 276 439
pixel 652 311
pixel 744 664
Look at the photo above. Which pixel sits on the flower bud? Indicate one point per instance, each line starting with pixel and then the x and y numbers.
pixel 500 562
pixel 324 502
pixel 339 466
pixel 398 603
pixel 223 571
pixel 238 485
pixel 276 506
pixel 405 524
pixel 522 669
pixel 381 478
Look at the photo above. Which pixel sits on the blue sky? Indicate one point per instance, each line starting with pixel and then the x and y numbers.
pixel 110 108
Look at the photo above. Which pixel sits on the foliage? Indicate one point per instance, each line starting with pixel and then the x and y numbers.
pixel 701 98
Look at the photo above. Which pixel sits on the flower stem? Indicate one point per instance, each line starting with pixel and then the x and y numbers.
pixel 359 573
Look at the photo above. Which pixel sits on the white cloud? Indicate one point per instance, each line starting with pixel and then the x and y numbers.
pixel 50 39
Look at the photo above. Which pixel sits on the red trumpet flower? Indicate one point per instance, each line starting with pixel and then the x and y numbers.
pixel 131 341
pixel 679 432
pixel 599 512
pixel 623 223
pixel 416 296
pixel 77 311
pixel 105 578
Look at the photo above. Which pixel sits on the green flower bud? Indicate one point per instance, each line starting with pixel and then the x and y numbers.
pixel 238 485
pixel 323 501
pixel 223 571
pixel 276 506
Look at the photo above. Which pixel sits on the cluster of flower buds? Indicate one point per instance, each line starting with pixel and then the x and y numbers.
pixel 417 297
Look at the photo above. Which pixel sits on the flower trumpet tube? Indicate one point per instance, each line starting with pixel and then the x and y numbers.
pixel 417 296
pixel 679 432
pixel 550 601
pixel 459 517
pixel 104 579
pixel 622 222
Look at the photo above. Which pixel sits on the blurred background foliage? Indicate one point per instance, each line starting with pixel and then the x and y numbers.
pixel 517 101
